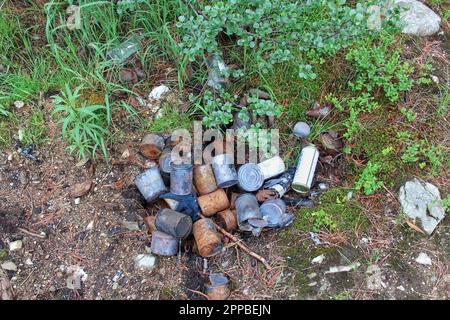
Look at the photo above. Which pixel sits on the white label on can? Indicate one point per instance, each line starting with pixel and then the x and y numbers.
pixel 272 167
pixel 279 189
pixel 306 168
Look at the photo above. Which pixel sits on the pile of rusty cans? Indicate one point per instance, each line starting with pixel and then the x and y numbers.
pixel 224 196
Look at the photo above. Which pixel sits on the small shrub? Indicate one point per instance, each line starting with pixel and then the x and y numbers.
pixel 368 180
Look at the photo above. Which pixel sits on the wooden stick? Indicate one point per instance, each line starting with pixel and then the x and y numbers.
pixel 244 247
pixel 32 233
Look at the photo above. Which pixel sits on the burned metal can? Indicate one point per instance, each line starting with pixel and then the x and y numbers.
pixel 151 146
pixel 272 211
pixel 251 176
pixel 208 240
pixel 163 244
pixel 150 184
pixel 214 202
pixel 227 219
pixel 247 208
pixel 181 179
pixel 224 170
pixel 218 289
pixel 174 223
pixel 281 184
pixel 204 179
pixel 306 167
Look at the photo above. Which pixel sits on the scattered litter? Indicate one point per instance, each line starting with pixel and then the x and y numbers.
pixel 125 50
pixel 158 92
pixel 348 268
pixel 318 259
pixel 216 71
pixel 9 266
pixel 306 167
pixel 315 238
pixel 19 104
pixel 15 245
pixel 218 289
pixel 163 244
pixel 424 259
pixel 422 200
pixel 76 277
pixel 145 261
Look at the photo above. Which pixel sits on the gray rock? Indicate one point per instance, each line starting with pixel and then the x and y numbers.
pixel 374 278
pixel 131 225
pixel 9 266
pixel 15 245
pixel 424 259
pixel 145 261
pixel 418 19
pixel 301 129
pixel 422 200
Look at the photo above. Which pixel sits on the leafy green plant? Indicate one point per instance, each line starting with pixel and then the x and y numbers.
pixel 84 127
pixel 322 219
pixel 368 180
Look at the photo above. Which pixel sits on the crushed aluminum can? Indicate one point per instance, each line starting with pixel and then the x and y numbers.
pixel 204 179
pixel 306 168
pixel 207 239
pixel 150 184
pixel 228 219
pixel 251 176
pixel 248 213
pixel 163 244
pixel 181 179
pixel 218 289
pixel 214 202
pixel 173 223
pixel 281 184
pixel 152 146
pixel 224 170
pixel 274 212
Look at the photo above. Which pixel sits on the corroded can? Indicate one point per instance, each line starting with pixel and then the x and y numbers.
pixel 150 184
pixel 181 179
pixel 233 198
pixel 204 179
pixel 218 289
pixel 247 208
pixel 227 219
pixel 306 168
pixel 208 240
pixel 151 146
pixel 214 202
pixel 251 176
pixel 163 244
pixel 173 223
pixel 150 223
pixel 224 170
pixel 164 164
pixel 272 211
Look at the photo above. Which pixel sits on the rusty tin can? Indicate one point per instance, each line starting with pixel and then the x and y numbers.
pixel 163 244
pixel 208 240
pixel 150 184
pixel 214 202
pixel 218 288
pixel 151 146
pixel 306 168
pixel 224 170
pixel 204 179
pixel 150 223
pixel 181 179
pixel 227 219
pixel 273 211
pixel 247 208
pixel 173 223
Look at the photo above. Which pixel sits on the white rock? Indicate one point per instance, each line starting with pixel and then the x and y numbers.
pixel 145 261
pixel 318 259
pixel 418 19
pixel 28 262
pixel 9 266
pixel 348 268
pixel 19 104
pixel 435 79
pixel 77 201
pixel 158 92
pixel 90 226
pixel 424 259
pixel 422 200
pixel 10 156
pixel 401 288
pixel 15 245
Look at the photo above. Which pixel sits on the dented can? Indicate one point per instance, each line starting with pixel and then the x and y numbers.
pixel 208 240
pixel 281 184
pixel 163 244
pixel 204 179
pixel 247 208
pixel 181 179
pixel 272 211
pixel 224 170
pixel 174 223
pixel 151 146
pixel 251 176
pixel 227 219
pixel 306 168
pixel 150 184
pixel 214 202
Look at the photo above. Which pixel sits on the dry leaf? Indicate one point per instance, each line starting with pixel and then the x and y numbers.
pixel 80 189
pixel 413 226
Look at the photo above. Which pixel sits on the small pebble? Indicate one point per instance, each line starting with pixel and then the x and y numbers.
pixel 77 201
pixel 15 245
